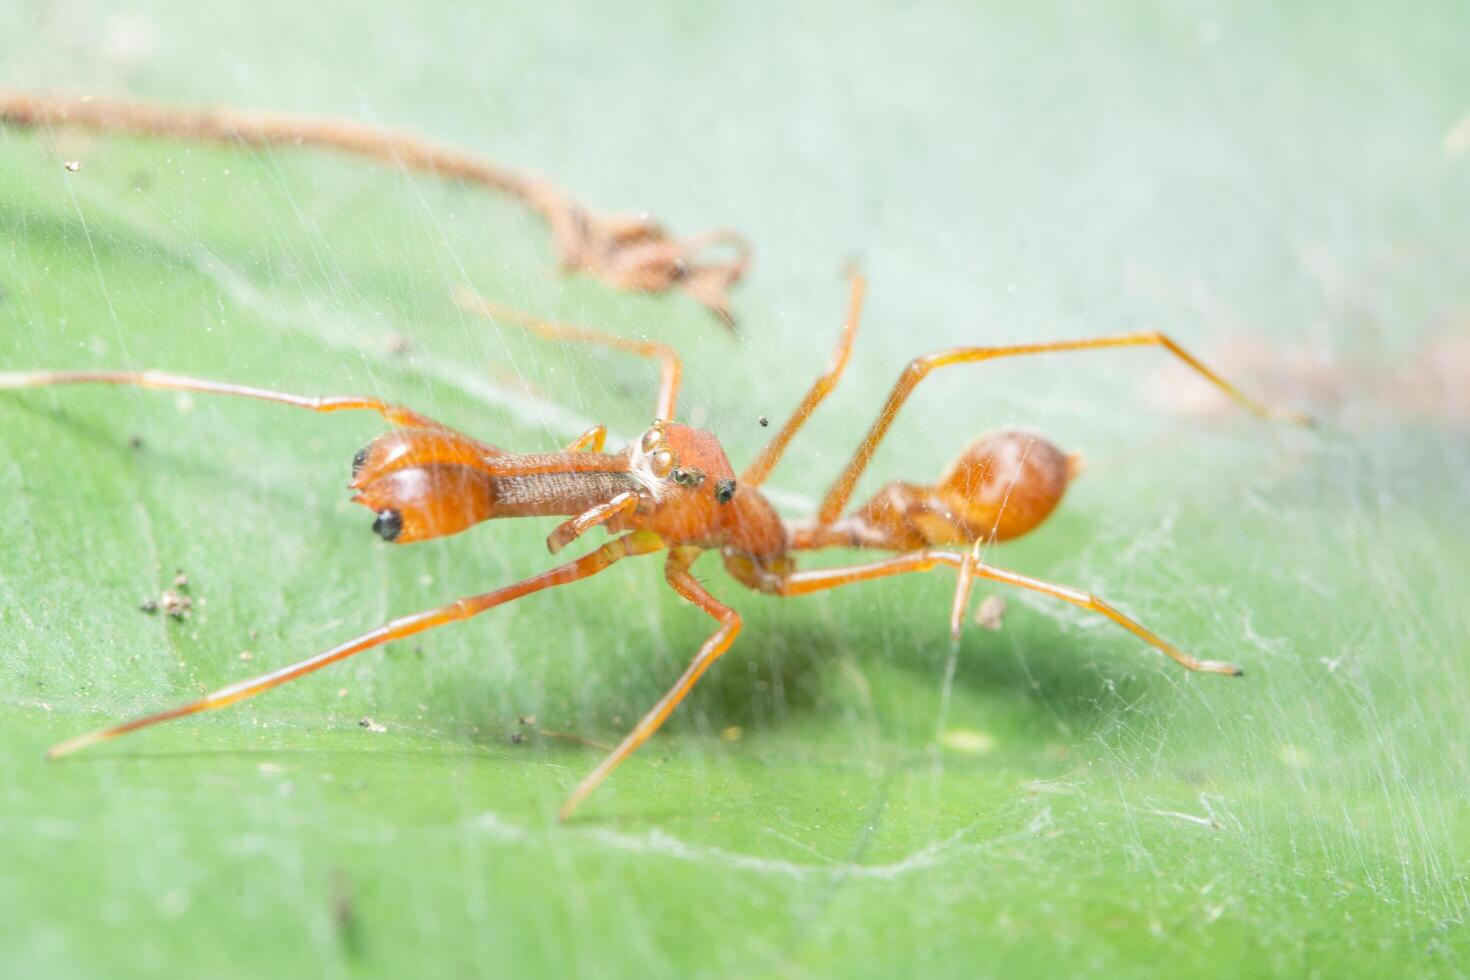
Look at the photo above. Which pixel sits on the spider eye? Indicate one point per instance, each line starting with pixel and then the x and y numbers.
pixel 691 477
pixel 663 463
pixel 724 491
pixel 651 439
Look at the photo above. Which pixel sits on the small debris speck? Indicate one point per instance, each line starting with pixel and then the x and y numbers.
pixel 149 606
pixel 526 720
pixel 372 726
pixel 764 421
pixel 991 613
pixel 175 604
pixel 136 442
pixel 181 581
pixel 246 655
pixel 516 738
pixel 72 166
pixel 732 734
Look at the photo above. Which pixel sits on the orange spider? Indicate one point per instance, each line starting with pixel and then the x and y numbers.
pixel 673 490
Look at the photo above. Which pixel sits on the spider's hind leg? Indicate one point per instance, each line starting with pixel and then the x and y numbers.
pixel 922 560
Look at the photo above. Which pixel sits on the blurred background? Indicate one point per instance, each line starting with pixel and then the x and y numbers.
pixel 1284 190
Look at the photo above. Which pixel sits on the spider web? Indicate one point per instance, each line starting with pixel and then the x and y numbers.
pixel 846 792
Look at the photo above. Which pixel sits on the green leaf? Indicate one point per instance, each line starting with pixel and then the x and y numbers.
pixel 844 793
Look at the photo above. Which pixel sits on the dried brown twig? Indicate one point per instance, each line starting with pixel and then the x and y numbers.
pixel 625 252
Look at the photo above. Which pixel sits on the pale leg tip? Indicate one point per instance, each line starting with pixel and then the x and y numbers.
pixel 63 749
pixel 1296 418
pixel 74 745
pixel 573 802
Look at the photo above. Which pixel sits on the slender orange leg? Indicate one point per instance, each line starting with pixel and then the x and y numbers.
pixel 592 440
pixel 755 474
pixel 1086 600
pixel 920 368
pixel 638 543
pixel 160 380
pixel 569 531
pixel 481 456
pixel 816 580
pixel 671 368
pixel 676 570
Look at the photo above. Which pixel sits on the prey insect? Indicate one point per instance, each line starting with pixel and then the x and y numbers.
pixel 625 252
pixel 673 490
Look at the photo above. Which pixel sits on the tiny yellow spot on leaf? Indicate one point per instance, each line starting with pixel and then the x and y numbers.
pixel 967 740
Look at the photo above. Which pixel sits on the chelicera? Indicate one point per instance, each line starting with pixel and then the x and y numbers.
pixel 673 490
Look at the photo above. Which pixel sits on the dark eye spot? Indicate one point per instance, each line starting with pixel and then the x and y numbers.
pixel 688 478
pixel 388 525
pixel 359 459
pixel 724 490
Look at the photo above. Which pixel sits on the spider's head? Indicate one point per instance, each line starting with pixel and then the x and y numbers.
pixel 691 495
pixel 685 479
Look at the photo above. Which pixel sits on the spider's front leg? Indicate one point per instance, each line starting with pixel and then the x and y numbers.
pixel 637 543
pixel 164 381
pixel 676 570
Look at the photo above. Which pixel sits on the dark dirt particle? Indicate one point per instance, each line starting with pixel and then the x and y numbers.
pixel 344 912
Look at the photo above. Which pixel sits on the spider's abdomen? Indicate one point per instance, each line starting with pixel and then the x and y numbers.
pixel 1002 485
